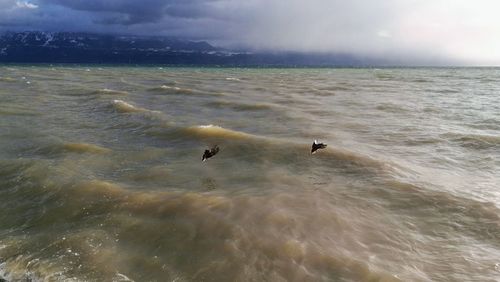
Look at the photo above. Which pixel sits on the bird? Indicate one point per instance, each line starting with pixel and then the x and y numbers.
pixel 316 146
pixel 210 153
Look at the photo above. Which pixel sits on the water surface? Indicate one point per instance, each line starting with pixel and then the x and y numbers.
pixel 101 176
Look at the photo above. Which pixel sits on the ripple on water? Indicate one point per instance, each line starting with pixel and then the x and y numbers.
pixel 473 141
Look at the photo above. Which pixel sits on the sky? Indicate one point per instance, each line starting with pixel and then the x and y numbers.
pixel 456 31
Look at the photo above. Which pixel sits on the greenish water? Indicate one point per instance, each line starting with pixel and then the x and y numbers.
pixel 101 176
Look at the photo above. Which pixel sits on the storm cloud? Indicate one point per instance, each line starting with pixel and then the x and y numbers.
pixel 128 12
pixel 463 30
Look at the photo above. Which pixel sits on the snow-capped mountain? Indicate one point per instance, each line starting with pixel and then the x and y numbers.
pixel 98 41
pixel 60 47
pixel 87 48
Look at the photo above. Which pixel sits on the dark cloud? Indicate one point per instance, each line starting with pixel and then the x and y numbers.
pixel 128 12
pixel 384 28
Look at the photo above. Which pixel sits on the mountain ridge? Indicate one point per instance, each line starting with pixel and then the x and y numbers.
pixel 82 47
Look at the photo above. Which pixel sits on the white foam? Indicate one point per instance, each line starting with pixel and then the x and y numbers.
pixel 3 272
pixel 125 107
pixel 123 103
pixel 170 87
pixel 122 277
pixel 111 91
pixel 217 131
pixel 208 126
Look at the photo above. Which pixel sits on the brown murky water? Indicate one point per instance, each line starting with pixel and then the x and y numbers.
pixel 101 176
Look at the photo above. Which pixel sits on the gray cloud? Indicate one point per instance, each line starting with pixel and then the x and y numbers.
pixel 128 12
pixel 430 29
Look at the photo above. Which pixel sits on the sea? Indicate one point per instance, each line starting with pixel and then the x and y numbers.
pixel 102 179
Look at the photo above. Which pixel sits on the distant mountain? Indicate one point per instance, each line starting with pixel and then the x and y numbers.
pixel 66 47
pixel 87 48
pixel 99 42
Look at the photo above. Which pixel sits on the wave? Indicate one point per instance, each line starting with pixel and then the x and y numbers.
pixel 157 173
pixel 56 149
pixel 431 109
pixel 384 76
pixel 475 218
pixel 445 91
pixel 275 149
pixel 127 116
pixel 392 77
pixel 391 108
pixel 340 87
pixel 349 157
pixel 474 141
pixel 85 148
pixel 280 229
pixel 214 131
pixel 7 79
pixel 204 133
pixel 487 80
pixel 421 80
pixel 172 90
pixel 319 92
pixel 263 148
pixel 125 107
pixel 239 106
pixel 106 91
pixel 423 140
pixel 12 111
pixel 131 83
pixel 260 89
pixel 102 188
pixel 10 168
pixel 18 270
pixel 75 249
pixel 193 219
pixel 488 124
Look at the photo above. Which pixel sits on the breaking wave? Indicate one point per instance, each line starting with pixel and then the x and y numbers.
pixel 214 131
pixel 125 107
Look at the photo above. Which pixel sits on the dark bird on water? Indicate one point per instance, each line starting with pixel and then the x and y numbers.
pixel 210 153
pixel 317 146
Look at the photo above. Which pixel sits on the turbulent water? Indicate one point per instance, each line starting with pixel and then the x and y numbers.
pixel 101 176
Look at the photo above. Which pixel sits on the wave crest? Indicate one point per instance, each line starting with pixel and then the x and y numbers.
pixel 172 89
pixel 125 107
pixel 215 131
pixel 107 91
